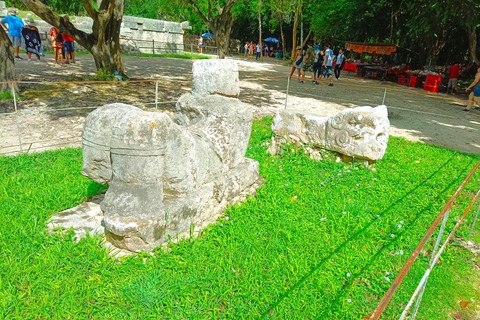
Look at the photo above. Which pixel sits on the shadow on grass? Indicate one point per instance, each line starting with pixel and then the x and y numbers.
pixel 344 244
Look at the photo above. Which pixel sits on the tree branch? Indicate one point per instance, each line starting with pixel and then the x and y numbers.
pixel 200 13
pixel 217 6
pixel 90 9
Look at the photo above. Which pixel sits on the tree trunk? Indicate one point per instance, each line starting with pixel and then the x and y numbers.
pixel 472 41
pixel 222 27
pixel 260 30
pixel 434 52
pixel 283 39
pixel 306 39
pixel 104 41
pixel 7 61
pixel 298 13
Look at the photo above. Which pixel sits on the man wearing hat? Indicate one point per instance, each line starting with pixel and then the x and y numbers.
pixel 14 29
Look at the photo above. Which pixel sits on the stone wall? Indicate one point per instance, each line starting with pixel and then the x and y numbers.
pixel 137 35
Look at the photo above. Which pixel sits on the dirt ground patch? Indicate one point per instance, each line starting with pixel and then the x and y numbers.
pixel 435 119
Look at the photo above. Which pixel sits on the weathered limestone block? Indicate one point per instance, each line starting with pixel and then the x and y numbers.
pixel 360 132
pixel 3 9
pixel 296 126
pixel 215 77
pixel 168 176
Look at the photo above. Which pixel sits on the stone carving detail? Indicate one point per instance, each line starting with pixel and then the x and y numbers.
pixel 168 176
pixel 360 132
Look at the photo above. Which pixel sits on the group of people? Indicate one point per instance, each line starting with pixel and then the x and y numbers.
pixel 62 43
pixel 320 63
pixel 258 49
pixel 250 48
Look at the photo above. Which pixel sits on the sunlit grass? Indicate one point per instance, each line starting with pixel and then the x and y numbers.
pixel 321 240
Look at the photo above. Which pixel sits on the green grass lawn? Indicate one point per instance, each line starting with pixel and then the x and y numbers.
pixel 321 240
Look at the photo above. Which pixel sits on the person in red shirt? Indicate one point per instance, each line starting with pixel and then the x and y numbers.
pixel 68 47
pixel 453 81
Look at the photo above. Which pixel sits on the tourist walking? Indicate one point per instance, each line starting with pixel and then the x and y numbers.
pixel 297 64
pixel 317 64
pixel 32 39
pixel 68 46
pixel 475 94
pixel 340 63
pixel 14 29
pixel 250 49
pixel 246 51
pixel 308 62
pixel 259 51
pixel 453 80
pixel 200 44
pixel 57 43
pixel 328 63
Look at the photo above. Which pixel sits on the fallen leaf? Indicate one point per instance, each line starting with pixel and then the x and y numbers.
pixel 457 316
pixel 464 304
pixel 441 296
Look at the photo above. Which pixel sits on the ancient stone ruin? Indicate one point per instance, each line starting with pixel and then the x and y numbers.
pixel 360 133
pixel 171 178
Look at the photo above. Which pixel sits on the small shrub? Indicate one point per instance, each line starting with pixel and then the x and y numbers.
pixel 104 75
pixel 5 95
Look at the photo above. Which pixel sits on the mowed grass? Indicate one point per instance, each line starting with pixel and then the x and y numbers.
pixel 321 240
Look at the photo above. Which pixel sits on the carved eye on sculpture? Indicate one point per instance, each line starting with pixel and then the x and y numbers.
pixel 338 121
pixel 342 138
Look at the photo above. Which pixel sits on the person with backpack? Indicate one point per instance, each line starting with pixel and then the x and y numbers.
pixel 297 64
pixel 340 64
pixel 317 65
pixel 57 43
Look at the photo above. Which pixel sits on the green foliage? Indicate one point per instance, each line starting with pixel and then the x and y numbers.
pixel 309 241
pixel 104 75
pixel 6 95
pixel 187 55
pixel 70 7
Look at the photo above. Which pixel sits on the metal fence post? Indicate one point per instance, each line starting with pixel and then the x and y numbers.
pixel 16 118
pixel 156 95
pixel 473 224
pixel 384 96
pixel 286 96
pixel 434 253
pixel 153 46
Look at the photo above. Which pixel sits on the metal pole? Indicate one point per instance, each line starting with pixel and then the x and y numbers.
pixel 16 118
pixel 435 249
pixel 401 275
pixel 473 225
pixel 286 96
pixel 384 96
pixel 156 95
pixel 437 256
pixel 153 46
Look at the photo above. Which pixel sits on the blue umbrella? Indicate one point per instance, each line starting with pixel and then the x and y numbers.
pixel 208 35
pixel 271 39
